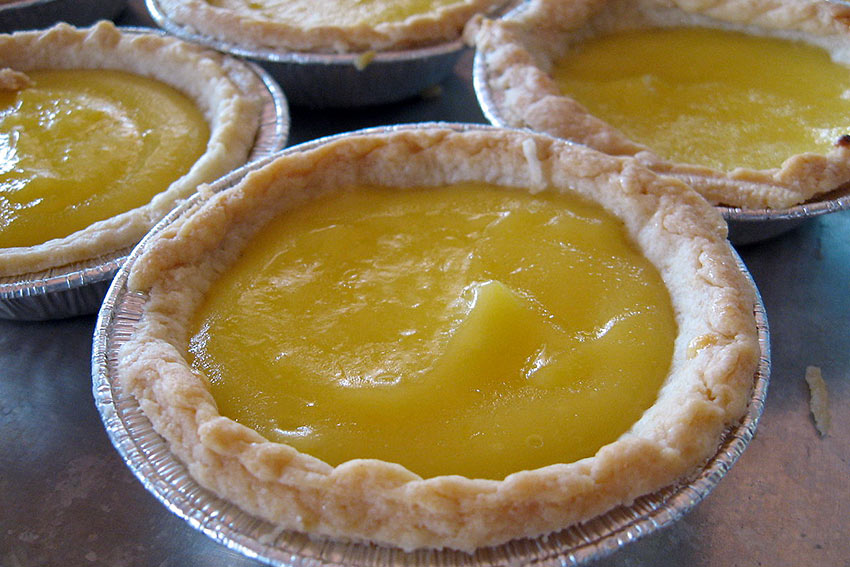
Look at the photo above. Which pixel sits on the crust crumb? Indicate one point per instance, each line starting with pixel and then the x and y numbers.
pixel 819 399
pixel 11 80
pixel 843 141
pixel 432 92
pixel 363 60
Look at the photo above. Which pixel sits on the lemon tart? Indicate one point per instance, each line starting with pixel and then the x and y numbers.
pixel 329 26
pixel 701 91
pixel 432 337
pixel 102 132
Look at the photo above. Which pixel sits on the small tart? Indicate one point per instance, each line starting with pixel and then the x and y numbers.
pixel 519 56
pixel 225 95
pixel 711 370
pixel 327 26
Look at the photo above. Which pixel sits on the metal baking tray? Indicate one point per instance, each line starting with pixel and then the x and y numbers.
pixel 78 289
pixel 33 14
pixel 164 475
pixel 337 79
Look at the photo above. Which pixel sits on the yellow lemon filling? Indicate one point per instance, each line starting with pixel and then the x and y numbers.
pixel 309 13
pixel 80 146
pixel 468 330
pixel 710 97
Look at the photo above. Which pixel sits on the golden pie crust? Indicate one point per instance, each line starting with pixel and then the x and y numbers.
pixel 516 55
pixel 226 94
pixel 234 21
pixel 707 390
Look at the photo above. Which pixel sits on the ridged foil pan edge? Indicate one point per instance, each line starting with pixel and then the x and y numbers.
pixel 148 456
pixel 78 289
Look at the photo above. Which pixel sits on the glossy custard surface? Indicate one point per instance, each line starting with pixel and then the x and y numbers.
pixel 310 13
pixel 80 146
pixel 465 330
pixel 711 97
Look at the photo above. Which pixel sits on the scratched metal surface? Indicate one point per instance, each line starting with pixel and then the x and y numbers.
pixel 67 499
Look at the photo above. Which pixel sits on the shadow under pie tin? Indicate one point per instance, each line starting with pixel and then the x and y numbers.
pixel 78 289
pixel 30 14
pixel 337 79
pixel 167 478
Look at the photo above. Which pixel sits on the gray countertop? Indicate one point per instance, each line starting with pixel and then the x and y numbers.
pixel 67 499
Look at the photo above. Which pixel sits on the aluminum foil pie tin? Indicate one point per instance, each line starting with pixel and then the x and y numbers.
pixel 33 14
pixel 78 289
pixel 164 475
pixel 746 226
pixel 324 80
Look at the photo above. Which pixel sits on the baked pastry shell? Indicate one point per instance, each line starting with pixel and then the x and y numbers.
pixel 747 223
pixel 78 288
pixel 30 14
pixel 326 80
pixel 150 458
